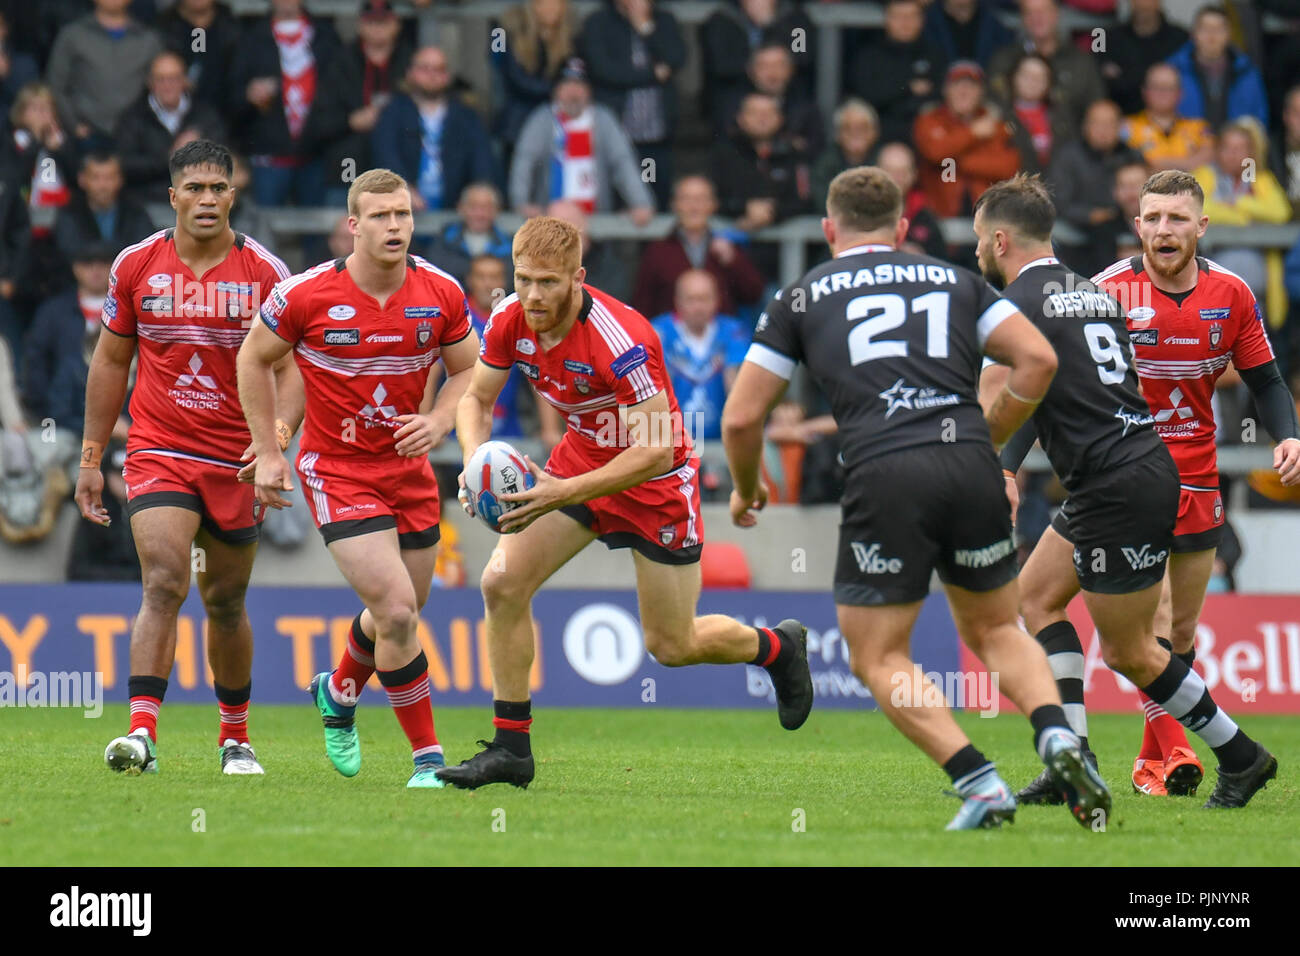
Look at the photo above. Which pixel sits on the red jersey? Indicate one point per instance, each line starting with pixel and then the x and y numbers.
pixel 362 366
pixel 186 402
pixel 610 357
pixel 1182 347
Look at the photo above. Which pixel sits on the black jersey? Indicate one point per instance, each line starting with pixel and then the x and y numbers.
pixel 1094 417
pixel 894 341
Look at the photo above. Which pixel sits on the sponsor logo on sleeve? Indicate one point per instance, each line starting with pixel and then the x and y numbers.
pixel 270 317
pixel 582 368
pixel 422 311
pixel 525 347
pixel 1259 314
pixel 1217 315
pixel 1144 337
pixel 110 307
pixel 630 360
pixel 341 313
pixel 342 336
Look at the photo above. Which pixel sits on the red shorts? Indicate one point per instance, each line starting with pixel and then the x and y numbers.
pixel 660 518
pixel 158 478
pixel 1200 519
pixel 349 497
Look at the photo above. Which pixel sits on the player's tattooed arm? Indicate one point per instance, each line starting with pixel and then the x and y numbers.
pixel 110 370
pixel 290 398
pixel 1016 342
pixel 255 367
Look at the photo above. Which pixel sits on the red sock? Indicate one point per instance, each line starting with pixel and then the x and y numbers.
pixel 1161 733
pixel 408 693
pixel 355 666
pixel 144 715
pixel 234 723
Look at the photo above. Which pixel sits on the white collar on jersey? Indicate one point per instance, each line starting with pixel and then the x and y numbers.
pixel 1042 261
pixel 869 247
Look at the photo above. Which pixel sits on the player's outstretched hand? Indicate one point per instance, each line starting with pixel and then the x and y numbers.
pixel 1286 461
pixel 546 495
pixel 742 515
pixel 90 491
pixel 272 476
pixel 418 435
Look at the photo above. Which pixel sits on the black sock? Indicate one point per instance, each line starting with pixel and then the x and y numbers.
pixel 512 719
pixel 964 765
pixel 767 637
pixel 1045 718
pixel 155 687
pixel 1064 651
pixel 1181 692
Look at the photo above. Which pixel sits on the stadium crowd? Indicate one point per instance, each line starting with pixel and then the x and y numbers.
pixel 624 110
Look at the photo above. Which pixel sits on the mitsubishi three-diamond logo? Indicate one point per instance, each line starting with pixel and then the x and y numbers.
pixel 1175 405
pixel 192 377
pixel 375 410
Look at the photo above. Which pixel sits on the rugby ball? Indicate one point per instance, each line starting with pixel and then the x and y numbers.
pixel 494 469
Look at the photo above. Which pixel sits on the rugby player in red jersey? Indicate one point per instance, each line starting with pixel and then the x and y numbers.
pixel 1188 317
pixel 365 330
pixel 185 297
pixel 624 472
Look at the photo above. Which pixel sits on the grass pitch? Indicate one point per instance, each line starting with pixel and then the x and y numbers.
pixel 648 787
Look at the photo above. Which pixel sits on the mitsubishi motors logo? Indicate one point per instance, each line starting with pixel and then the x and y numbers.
pixel 191 378
pixel 1175 405
pixel 375 410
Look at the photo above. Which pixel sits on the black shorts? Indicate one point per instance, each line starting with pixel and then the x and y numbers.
pixel 1122 525
pixel 932 508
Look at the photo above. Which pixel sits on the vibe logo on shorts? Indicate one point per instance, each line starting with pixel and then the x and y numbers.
pixel 870 561
pixel 1142 558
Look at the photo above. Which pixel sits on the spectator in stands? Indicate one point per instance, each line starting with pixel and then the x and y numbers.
pixel 15 232
pixel 575 149
pixel 99 212
pixel 1075 79
pixel 1241 191
pixel 762 178
pixel 246 215
pixel 771 71
pixel 1219 83
pixel 159 122
pixel 106 552
pixel 98 67
pixel 965 30
pixel 1289 341
pixel 340 238
pixel 61 328
pixel 693 244
pixel 605 262
pixel 540 38
pixel 964 143
pixel 1038 121
pixel 474 233
pixel 1165 139
pixel 15 454
pixel 354 93
pixel 276 80
pixel 735 30
pixel 703 349
pixel 857 133
pixel 633 51
pixel 900 72
pixel 35 135
pixel 1082 178
pixel 17 69
pixel 1286 150
pixel 1133 47
pixel 431 138
pixel 1130 177
pixel 924 232
pixel 208 65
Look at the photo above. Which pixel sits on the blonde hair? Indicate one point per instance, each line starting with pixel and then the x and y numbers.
pixel 34 90
pixel 545 239
pixel 373 181
pixel 526 39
